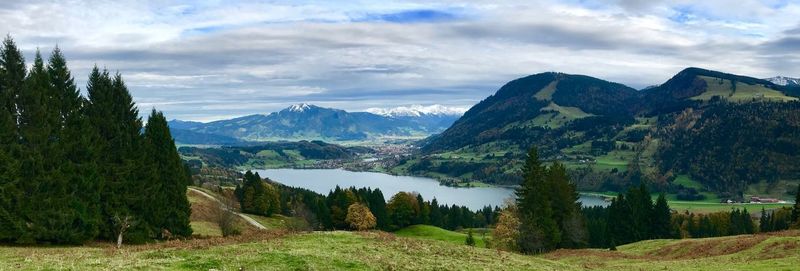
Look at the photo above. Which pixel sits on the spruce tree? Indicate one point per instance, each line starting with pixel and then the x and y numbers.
pixel 121 157
pixel 765 223
pixel 620 221
pixel 77 186
pixel 641 207
pixel 436 213
pixel 173 210
pixel 538 230
pixel 470 239
pixel 662 219
pixel 38 123
pixel 377 205
pixel 12 78
pixel 12 73
pixel 566 207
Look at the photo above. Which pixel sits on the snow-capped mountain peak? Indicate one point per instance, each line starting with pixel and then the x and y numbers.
pixel 784 81
pixel 301 107
pixel 418 110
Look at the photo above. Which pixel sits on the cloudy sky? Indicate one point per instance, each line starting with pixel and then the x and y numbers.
pixel 207 60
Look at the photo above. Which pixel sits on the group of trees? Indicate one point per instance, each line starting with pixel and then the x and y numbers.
pixel 74 169
pixel 548 209
pixel 357 208
pixel 256 196
pixel 633 217
pixel 691 225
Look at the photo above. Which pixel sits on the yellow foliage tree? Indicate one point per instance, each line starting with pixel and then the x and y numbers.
pixel 360 218
pixel 506 230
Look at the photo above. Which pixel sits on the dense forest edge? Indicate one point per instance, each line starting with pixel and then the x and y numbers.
pixel 76 169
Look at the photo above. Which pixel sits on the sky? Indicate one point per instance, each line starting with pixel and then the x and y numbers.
pixel 209 60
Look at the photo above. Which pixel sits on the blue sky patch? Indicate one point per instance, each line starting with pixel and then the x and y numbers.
pixel 411 16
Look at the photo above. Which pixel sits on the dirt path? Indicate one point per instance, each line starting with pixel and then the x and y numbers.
pixel 246 218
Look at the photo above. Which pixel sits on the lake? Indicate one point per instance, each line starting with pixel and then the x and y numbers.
pixel 324 180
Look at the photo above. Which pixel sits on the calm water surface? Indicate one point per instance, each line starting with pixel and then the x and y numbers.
pixel 324 180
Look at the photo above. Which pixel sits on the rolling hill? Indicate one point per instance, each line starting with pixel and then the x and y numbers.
pixel 611 135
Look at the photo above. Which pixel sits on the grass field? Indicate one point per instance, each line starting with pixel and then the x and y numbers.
pixel 435 233
pixel 384 251
pixel 742 92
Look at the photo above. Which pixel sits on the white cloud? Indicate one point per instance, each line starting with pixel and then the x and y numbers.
pixel 209 59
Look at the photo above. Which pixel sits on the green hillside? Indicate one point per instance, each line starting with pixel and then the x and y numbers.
pixel 428 232
pixel 704 124
pixel 382 251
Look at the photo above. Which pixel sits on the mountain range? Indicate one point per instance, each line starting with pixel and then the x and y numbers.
pixel 309 122
pixel 719 130
pixel 784 81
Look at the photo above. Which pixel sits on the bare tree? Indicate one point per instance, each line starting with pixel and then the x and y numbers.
pixel 122 224
pixel 225 216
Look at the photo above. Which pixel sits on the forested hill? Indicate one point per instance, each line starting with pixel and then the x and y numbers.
pixel 610 134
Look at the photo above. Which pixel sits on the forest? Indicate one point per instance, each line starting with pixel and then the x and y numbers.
pixel 75 169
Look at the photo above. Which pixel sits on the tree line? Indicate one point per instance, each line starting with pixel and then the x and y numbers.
pixel 546 215
pixel 75 168
pixel 331 211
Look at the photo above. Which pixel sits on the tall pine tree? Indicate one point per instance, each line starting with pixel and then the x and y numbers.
pixel 566 207
pixel 38 124
pixel 77 184
pixel 538 230
pixel 12 79
pixel 662 219
pixel 121 157
pixel 172 209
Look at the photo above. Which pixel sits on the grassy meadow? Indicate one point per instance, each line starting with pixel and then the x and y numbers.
pixel 277 250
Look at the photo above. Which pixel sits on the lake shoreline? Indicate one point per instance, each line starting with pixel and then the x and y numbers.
pixel 323 180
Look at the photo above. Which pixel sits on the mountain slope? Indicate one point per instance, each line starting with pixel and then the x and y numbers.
pixel 304 121
pixel 536 102
pixel 611 136
pixel 693 86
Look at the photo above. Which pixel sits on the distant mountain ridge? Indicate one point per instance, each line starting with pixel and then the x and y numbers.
pixel 418 110
pixel 784 81
pixel 310 122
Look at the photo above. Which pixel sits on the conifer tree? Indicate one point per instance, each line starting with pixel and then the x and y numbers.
pixel 620 224
pixel 566 207
pixel 765 223
pixel 12 73
pixel 37 123
pixel 641 207
pixel 12 78
pixel 538 230
pixel 377 205
pixel 470 239
pixel 172 212
pixel 121 157
pixel 662 218
pixel 77 184
pixel 436 213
